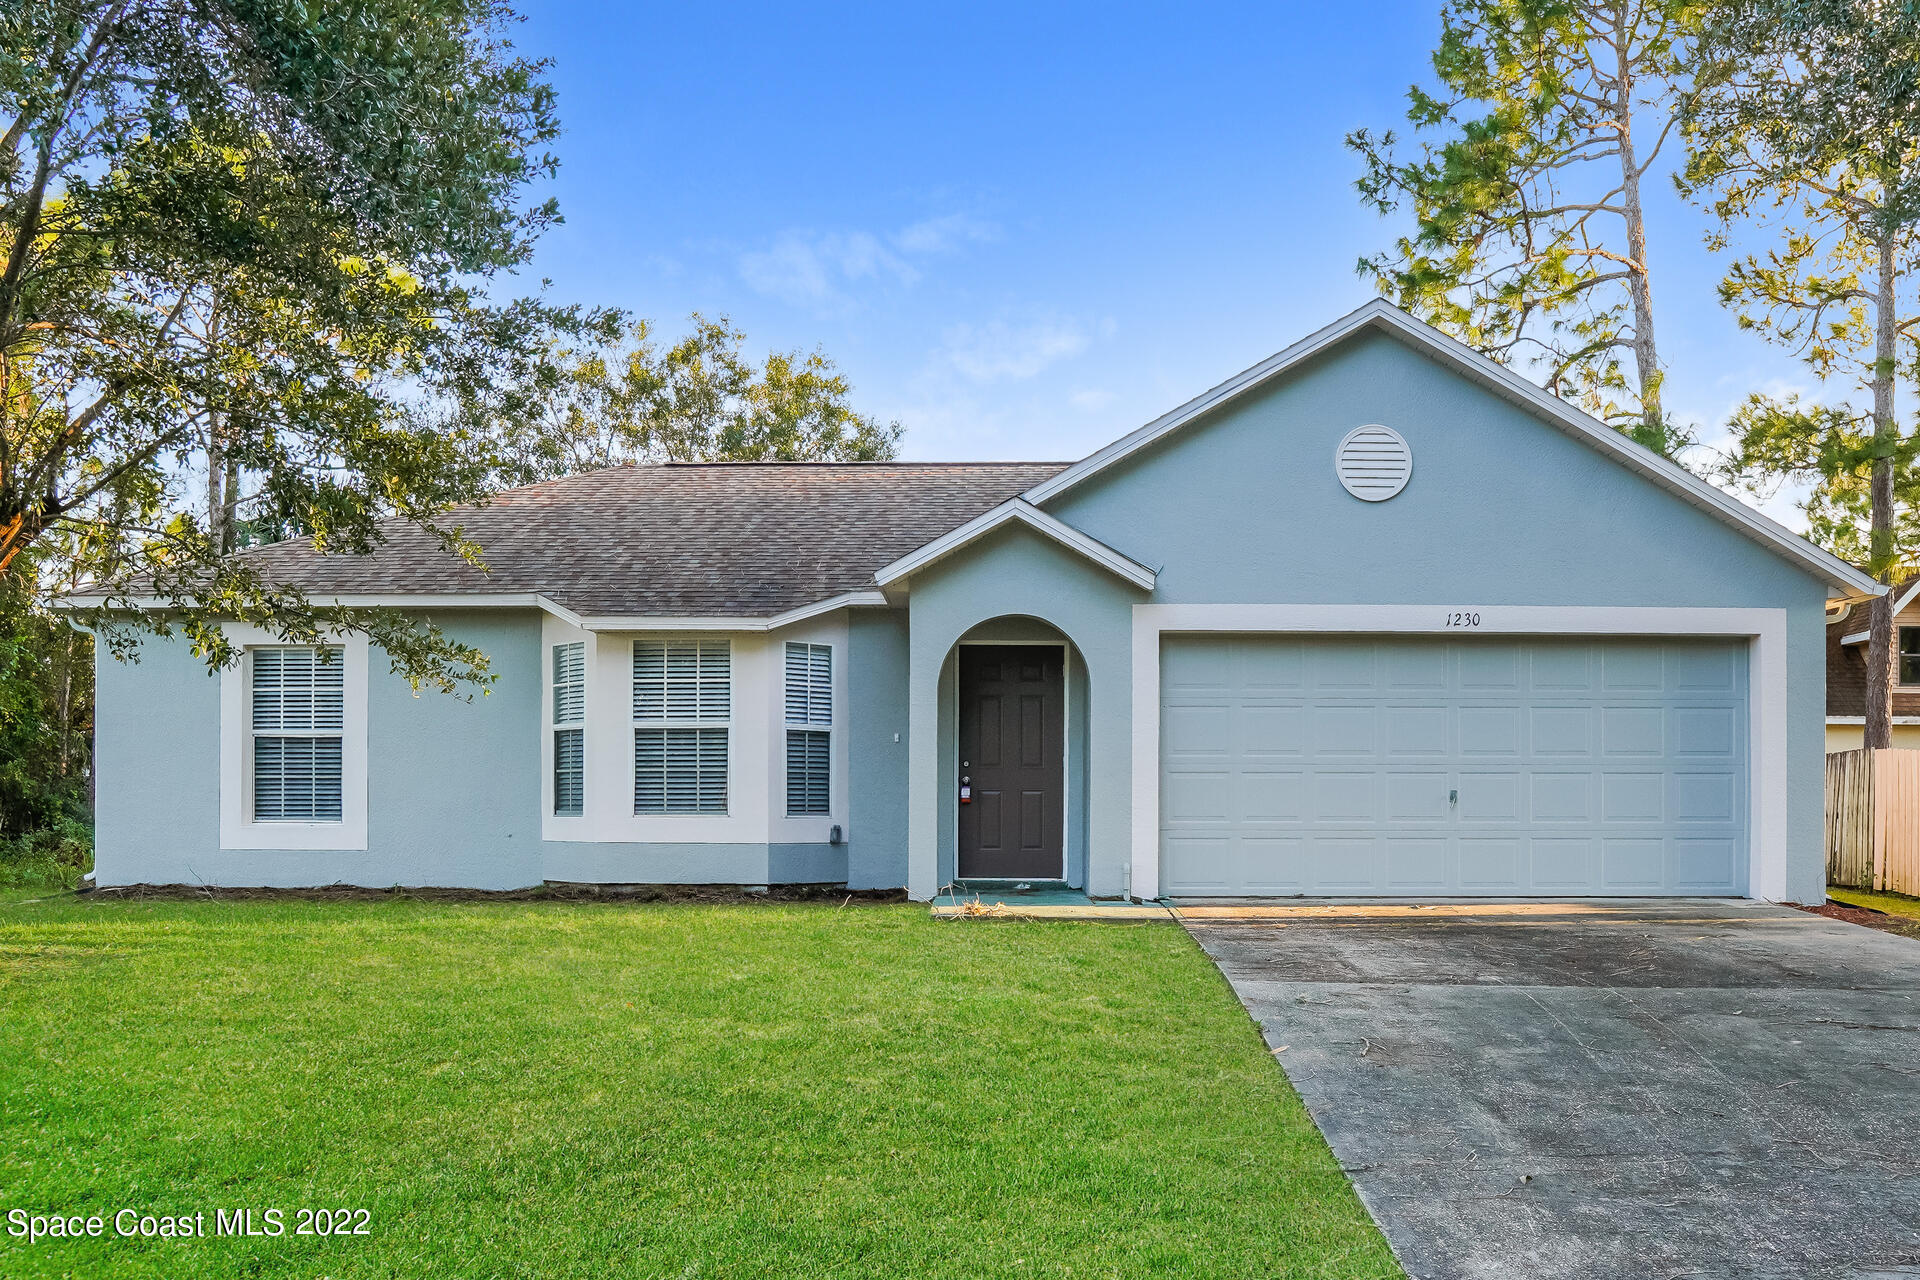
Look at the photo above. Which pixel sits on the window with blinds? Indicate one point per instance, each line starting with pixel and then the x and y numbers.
pixel 809 701
pixel 296 725
pixel 682 709
pixel 569 747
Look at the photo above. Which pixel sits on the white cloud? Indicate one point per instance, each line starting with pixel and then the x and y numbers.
pixel 997 350
pixel 815 267
pixel 804 267
pixel 1091 400
pixel 944 234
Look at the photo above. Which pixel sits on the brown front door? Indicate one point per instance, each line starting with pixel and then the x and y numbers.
pixel 1012 745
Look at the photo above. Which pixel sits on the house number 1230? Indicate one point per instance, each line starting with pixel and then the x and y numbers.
pixel 1463 620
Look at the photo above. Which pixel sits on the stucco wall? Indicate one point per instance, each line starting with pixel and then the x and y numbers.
pixel 454 785
pixel 1501 509
pixel 877 753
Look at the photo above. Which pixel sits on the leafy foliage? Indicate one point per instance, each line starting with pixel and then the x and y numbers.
pixel 1830 450
pixel 46 711
pixel 54 856
pixel 1806 124
pixel 255 237
pixel 699 399
pixel 1529 240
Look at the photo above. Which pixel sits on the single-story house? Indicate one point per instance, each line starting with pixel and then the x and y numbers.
pixel 1847 669
pixel 1374 617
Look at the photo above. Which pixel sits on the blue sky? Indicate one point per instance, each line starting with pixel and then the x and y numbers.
pixel 1020 230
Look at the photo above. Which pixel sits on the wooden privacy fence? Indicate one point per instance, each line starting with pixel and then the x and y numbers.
pixel 1873 820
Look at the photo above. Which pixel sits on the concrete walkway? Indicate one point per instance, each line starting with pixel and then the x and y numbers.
pixel 1601 1089
pixel 1045 901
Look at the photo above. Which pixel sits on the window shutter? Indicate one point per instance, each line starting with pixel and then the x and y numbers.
pixel 809 701
pixel 649 681
pixel 809 697
pixel 299 701
pixel 682 680
pixel 808 771
pixel 569 772
pixel 797 683
pixel 570 683
pixel 681 686
pixel 296 779
pixel 680 770
pixel 716 680
pixel 299 688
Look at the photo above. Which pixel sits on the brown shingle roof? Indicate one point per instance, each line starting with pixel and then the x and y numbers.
pixel 1847 663
pixel 681 539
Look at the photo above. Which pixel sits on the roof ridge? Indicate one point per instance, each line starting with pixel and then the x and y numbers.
pixel 673 464
pixel 876 462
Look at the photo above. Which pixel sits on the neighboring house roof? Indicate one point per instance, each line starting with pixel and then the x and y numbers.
pixel 1857 633
pixel 1847 659
pixel 679 539
pixel 1383 317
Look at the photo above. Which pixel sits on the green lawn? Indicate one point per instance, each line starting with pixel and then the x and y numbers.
pixel 555 1089
pixel 1894 904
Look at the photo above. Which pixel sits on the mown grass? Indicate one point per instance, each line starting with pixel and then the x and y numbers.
pixel 1894 904
pixel 549 1090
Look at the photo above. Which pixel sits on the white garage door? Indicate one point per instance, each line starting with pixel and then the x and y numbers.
pixel 1468 767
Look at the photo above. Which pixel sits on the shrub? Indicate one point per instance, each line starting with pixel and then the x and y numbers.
pixel 54 856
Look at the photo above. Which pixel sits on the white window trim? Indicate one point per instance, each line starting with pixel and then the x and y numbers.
pixel 756 784
pixel 782 827
pixel 238 830
pixel 609 814
pixel 1764 629
pixel 566 826
pixel 831 728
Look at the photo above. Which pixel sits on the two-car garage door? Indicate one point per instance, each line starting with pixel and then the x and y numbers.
pixel 1478 766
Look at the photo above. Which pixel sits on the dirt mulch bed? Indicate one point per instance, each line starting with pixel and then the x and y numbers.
pixel 717 894
pixel 1864 916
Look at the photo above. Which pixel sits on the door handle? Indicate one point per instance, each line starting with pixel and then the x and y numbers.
pixel 1453 797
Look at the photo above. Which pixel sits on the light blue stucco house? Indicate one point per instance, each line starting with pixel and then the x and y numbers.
pixel 1374 617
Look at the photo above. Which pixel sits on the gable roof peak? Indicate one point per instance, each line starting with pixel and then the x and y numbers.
pixel 1379 315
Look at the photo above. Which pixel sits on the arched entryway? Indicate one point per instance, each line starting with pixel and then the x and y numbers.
pixel 1013 728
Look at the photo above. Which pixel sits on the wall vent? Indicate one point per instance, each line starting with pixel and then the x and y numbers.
pixel 1373 463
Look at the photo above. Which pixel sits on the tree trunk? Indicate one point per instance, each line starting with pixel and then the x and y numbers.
pixel 222 477
pixel 19 531
pixel 1652 430
pixel 1881 650
pixel 66 707
pixel 216 481
pixel 229 519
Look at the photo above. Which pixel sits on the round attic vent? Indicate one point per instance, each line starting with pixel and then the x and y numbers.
pixel 1373 463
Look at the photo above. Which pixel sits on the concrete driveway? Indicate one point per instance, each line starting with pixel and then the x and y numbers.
pixel 1643 1089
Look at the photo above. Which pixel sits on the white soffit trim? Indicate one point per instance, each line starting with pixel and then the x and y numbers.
pixel 534 600
pixel 1898 720
pixel 1383 315
pixel 1899 607
pixel 669 622
pixel 1040 522
pixel 357 600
